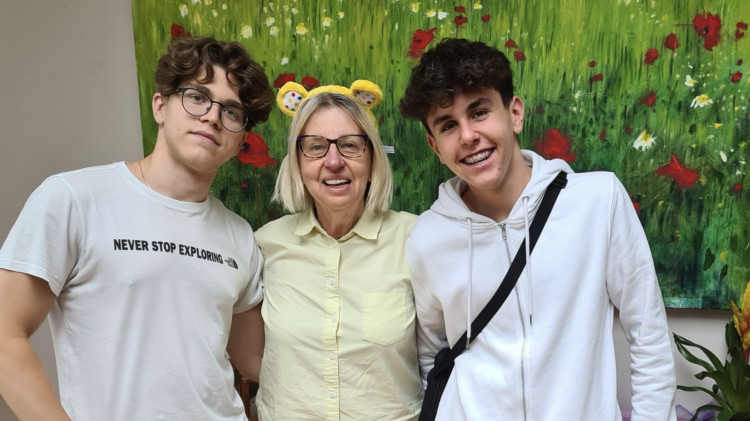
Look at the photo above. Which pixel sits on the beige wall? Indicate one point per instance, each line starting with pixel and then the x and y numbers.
pixel 72 64
pixel 68 99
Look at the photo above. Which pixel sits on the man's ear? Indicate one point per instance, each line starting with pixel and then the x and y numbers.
pixel 158 107
pixel 433 145
pixel 516 109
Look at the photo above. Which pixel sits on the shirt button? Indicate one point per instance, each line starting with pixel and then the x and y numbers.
pixel 331 356
pixel 333 318
pixel 331 281
pixel 332 394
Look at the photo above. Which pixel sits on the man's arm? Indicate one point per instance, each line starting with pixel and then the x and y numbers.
pixel 246 342
pixel 634 289
pixel 25 301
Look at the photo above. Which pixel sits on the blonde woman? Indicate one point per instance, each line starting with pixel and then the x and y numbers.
pixel 340 341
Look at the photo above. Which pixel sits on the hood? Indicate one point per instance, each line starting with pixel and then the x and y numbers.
pixel 543 171
pixel 450 204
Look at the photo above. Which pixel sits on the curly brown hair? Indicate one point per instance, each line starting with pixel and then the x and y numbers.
pixel 452 67
pixel 186 57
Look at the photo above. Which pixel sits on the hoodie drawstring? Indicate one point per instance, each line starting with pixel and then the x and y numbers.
pixel 529 284
pixel 468 294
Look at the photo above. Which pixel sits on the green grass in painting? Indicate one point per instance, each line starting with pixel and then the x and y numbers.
pixel 699 235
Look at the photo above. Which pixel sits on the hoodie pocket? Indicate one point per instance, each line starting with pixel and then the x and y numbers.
pixel 384 320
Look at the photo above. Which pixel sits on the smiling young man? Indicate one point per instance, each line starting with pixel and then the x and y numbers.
pixel 549 351
pixel 140 270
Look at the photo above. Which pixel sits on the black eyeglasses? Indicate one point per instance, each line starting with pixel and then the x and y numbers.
pixel 197 103
pixel 349 145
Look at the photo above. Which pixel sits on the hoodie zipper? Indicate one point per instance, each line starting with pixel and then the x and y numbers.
pixel 505 239
pixel 504 232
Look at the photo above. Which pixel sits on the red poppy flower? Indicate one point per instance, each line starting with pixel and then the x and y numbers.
pixel 178 31
pixel 309 82
pixel 460 20
pixel 555 145
pixel 244 185
pixel 637 206
pixel 739 62
pixel 603 135
pixel 738 34
pixel 282 79
pixel 628 129
pixel 255 152
pixel 485 18
pixel 682 175
pixel 708 26
pixel 519 55
pixel 460 9
pixel 648 100
pixel 736 77
pixel 742 25
pixel 737 188
pixel 651 55
pixel 510 44
pixel 596 78
pixel 419 41
pixel 671 42
pixel 592 64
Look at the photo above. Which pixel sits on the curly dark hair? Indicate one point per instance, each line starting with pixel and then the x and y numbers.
pixel 452 67
pixel 186 57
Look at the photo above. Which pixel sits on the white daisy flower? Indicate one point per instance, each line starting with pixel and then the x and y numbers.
pixel 701 101
pixel 644 141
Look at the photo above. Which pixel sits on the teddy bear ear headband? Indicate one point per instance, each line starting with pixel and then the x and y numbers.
pixel 366 93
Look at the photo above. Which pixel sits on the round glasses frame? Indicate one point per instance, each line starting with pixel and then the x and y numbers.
pixel 345 151
pixel 198 104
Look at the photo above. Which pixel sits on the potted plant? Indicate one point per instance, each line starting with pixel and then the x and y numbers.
pixel 731 389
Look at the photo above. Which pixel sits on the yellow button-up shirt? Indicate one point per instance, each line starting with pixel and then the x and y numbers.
pixel 339 321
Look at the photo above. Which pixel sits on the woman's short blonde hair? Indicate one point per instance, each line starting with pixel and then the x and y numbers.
pixel 290 190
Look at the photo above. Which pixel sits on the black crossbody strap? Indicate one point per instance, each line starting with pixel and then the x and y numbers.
pixel 516 267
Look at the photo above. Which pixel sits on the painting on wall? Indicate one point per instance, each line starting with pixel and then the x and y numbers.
pixel 655 91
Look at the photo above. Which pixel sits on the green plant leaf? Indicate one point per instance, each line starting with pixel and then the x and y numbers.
pixel 719 371
pixel 744 416
pixel 716 397
pixel 731 335
pixel 723 383
pixel 707 407
pixel 681 342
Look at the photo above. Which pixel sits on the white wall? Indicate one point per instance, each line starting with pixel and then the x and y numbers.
pixel 68 99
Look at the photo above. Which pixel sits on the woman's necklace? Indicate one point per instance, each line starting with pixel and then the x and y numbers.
pixel 143 176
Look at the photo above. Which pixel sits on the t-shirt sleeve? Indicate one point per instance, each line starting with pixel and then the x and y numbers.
pixel 44 241
pixel 252 295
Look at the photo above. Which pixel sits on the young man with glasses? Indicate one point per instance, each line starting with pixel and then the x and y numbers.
pixel 141 270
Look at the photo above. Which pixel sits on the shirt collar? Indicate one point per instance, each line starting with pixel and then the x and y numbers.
pixel 367 227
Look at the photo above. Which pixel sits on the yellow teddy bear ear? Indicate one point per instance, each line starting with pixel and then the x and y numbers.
pixel 290 96
pixel 367 93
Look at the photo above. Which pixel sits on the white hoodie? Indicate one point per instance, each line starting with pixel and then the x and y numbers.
pixel 548 354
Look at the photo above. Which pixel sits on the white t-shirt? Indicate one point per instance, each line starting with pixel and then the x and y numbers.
pixel 146 289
